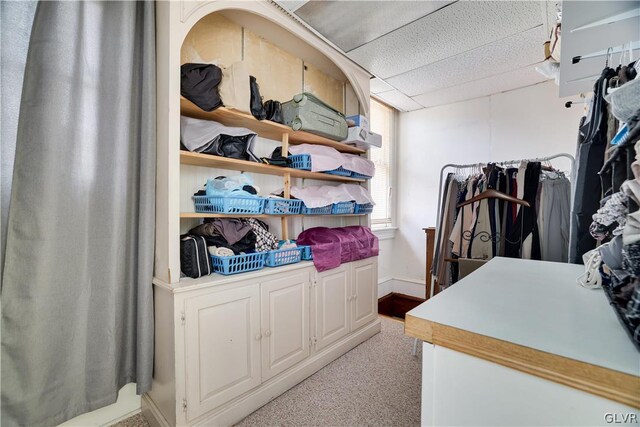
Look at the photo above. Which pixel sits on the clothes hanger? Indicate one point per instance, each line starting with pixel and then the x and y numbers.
pixel 494 194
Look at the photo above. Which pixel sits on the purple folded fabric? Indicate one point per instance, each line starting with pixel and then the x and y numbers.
pixel 333 246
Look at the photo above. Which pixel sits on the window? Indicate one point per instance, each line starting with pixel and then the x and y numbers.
pixel 382 121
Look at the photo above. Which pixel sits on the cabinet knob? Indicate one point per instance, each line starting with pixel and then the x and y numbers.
pixel 267 333
pixel 258 337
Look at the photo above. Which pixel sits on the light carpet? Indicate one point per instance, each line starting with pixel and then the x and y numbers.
pixel 375 384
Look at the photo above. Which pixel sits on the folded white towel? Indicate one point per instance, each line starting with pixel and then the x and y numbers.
pixel 220 251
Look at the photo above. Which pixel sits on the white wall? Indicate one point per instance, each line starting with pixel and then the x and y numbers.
pixel 523 123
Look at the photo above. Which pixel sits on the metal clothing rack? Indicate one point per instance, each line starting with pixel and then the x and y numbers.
pixel 479 166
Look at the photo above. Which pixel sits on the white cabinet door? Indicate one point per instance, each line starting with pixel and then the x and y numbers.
pixel 364 298
pixel 222 347
pixel 331 305
pixel 285 323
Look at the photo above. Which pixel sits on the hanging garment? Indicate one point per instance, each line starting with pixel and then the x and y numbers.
pixel 481 245
pixel 520 182
pixel 465 220
pixel 77 295
pixel 589 158
pixel 450 200
pixel 526 223
pixel 437 251
pixel 555 213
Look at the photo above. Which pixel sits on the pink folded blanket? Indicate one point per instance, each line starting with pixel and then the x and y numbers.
pixel 333 246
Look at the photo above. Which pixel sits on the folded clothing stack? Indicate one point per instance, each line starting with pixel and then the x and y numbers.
pixel 234 186
pixel 324 195
pixel 235 236
pixel 328 158
pixel 209 137
pixel 334 246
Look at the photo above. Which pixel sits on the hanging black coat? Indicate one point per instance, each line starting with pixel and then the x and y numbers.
pixel 592 144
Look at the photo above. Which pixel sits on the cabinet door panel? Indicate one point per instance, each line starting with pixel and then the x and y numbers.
pixel 364 284
pixel 332 310
pixel 222 347
pixel 285 323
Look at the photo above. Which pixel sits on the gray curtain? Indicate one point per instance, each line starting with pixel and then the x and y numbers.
pixel 77 307
pixel 16 19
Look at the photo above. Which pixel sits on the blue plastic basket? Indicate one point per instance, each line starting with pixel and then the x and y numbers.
pixel 238 263
pixel 282 206
pixel 324 210
pixel 340 171
pixel 301 161
pixel 365 208
pixel 359 176
pixel 342 208
pixel 229 205
pixel 305 252
pixel 279 257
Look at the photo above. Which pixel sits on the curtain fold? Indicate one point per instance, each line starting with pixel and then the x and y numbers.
pixel 77 302
pixel 16 23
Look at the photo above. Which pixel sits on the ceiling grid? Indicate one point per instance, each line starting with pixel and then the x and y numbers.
pixel 429 53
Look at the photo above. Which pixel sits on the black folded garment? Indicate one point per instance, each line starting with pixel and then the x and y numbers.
pixel 199 84
pixel 246 245
pixel 277 159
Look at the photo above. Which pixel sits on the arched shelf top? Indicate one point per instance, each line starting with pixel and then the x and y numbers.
pixel 269 22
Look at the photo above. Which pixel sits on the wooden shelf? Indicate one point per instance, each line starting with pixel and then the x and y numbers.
pixel 192 215
pixel 207 160
pixel 264 128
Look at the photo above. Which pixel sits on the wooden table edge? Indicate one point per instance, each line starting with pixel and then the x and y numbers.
pixel 608 383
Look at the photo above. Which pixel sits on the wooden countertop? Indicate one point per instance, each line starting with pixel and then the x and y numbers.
pixel 532 316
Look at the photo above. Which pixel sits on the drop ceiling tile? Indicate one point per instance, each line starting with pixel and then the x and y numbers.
pixel 450 31
pixel 511 53
pixel 399 100
pixel 378 86
pixel 292 5
pixel 350 24
pixel 483 87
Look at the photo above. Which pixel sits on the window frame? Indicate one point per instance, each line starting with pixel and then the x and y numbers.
pixel 385 228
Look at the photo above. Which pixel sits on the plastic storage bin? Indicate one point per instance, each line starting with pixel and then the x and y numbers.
pixel 301 161
pixel 359 176
pixel 342 208
pixel 279 257
pixel 305 252
pixel 365 208
pixel 238 263
pixel 340 171
pixel 229 205
pixel 324 210
pixel 282 206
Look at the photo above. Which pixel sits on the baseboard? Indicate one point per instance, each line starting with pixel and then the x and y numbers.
pixel 234 411
pixel 412 287
pixel 152 414
pixel 396 305
pixel 124 417
pixel 385 287
pixel 127 405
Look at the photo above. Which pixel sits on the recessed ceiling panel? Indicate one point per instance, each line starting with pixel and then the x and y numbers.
pixel 484 87
pixel 399 100
pixel 377 86
pixel 292 5
pixel 350 24
pixel 452 30
pixel 511 53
